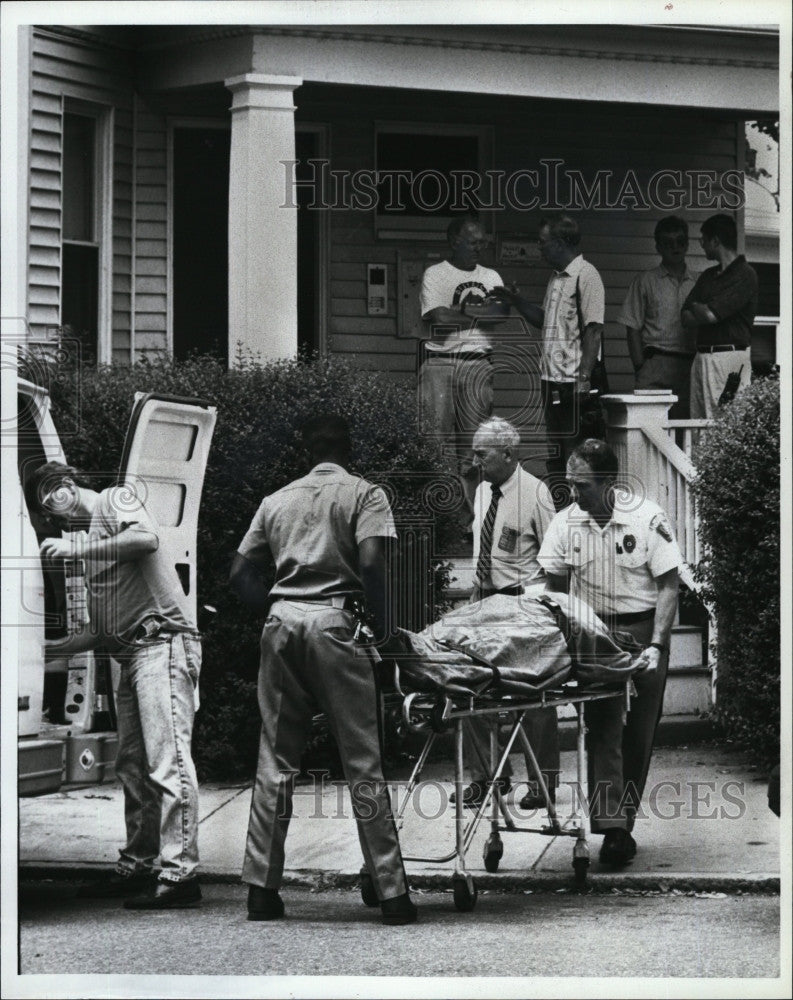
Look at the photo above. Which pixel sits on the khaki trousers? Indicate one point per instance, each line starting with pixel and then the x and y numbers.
pixel 309 659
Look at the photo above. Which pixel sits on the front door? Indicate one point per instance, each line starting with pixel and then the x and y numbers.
pixel 200 241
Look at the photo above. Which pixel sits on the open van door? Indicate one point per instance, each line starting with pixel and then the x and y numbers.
pixel 163 462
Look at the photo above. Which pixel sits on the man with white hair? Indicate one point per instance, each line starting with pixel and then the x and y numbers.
pixel 512 511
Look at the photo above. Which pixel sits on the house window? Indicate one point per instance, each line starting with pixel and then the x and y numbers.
pixel 427 174
pixel 82 215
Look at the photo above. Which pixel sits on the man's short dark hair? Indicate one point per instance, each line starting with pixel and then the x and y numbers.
pixel 670 225
pixel 598 455
pixel 457 224
pixel 326 435
pixel 723 227
pixel 563 228
pixel 45 478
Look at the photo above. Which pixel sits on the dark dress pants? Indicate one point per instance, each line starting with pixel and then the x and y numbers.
pixel 619 756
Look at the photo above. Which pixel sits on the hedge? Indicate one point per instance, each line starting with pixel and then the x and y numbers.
pixel 737 491
pixel 254 452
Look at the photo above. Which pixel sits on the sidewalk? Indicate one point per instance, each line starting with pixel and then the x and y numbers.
pixel 708 828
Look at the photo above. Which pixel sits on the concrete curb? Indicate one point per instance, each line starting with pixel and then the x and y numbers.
pixel 320 880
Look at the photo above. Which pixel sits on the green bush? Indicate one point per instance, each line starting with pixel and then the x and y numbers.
pixel 255 451
pixel 737 491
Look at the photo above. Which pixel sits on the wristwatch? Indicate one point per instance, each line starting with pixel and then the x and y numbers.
pixel 659 646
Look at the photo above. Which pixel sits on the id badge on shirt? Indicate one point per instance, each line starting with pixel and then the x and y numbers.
pixel 508 541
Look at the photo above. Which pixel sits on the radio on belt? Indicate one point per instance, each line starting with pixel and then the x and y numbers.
pixel 377 289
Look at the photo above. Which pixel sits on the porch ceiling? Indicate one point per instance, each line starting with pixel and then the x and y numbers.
pixel 734 69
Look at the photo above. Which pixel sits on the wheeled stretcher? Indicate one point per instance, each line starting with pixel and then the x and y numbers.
pixel 447 680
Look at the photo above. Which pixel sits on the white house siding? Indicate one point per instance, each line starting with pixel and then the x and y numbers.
pixel 150 233
pixel 99 72
pixel 588 136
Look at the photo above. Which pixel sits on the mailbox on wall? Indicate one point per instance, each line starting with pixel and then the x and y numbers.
pixel 376 289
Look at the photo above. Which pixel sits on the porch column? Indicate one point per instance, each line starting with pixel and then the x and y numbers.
pixel 262 221
pixel 625 417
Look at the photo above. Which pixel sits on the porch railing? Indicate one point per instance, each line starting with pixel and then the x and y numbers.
pixel 655 456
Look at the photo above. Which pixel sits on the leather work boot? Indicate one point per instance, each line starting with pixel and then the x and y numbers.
pixel 167 896
pixel 118 886
pixel 618 848
pixel 534 799
pixel 264 904
pixel 398 910
pixel 474 794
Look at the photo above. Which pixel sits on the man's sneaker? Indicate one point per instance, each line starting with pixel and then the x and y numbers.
pixel 398 910
pixel 167 896
pixel 474 794
pixel 264 904
pixel 118 886
pixel 618 848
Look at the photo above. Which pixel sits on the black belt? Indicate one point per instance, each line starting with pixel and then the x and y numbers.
pixel 720 347
pixel 515 591
pixel 650 352
pixel 345 602
pixel 461 356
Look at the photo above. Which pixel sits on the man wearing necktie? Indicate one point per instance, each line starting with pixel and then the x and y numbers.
pixel 512 511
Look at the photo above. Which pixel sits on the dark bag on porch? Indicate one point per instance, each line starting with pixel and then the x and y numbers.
pixel 593 417
pixel 730 387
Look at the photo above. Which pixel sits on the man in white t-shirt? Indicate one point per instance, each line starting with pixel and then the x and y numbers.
pixel 455 381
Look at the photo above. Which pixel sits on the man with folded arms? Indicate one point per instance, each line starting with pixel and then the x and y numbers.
pixel 660 347
pixel 455 380
pixel 720 310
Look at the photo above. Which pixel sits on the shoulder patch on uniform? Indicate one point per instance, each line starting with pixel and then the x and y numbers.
pixel 661 525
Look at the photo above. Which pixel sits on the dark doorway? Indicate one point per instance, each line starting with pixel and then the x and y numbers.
pixel 80 299
pixel 308 145
pixel 200 241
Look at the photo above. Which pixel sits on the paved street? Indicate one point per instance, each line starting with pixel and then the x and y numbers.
pixel 709 935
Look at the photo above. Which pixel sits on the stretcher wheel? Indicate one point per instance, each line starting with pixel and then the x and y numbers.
pixel 368 894
pixel 464 893
pixel 580 869
pixel 493 852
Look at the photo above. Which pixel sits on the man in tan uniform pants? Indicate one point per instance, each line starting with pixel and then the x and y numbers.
pixel 327 535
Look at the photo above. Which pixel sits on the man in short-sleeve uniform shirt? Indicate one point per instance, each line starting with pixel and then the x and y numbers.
pixel 720 310
pixel 326 533
pixel 618 554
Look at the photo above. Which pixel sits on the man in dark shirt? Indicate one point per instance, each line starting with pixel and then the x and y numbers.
pixel 721 309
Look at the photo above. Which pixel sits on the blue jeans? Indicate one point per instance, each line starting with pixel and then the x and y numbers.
pixel 156 703
pixel 454 398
